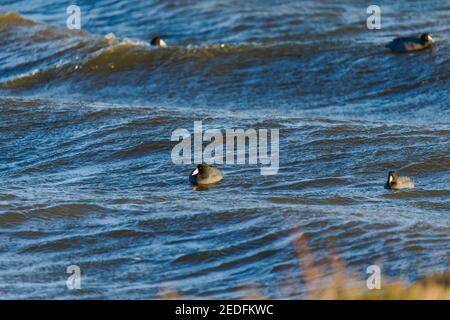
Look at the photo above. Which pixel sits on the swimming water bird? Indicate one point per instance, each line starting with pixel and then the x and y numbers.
pixel 408 44
pixel 396 182
pixel 158 42
pixel 205 174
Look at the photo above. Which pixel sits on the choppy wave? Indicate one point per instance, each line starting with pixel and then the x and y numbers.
pixel 284 73
pixel 98 179
pixel 86 119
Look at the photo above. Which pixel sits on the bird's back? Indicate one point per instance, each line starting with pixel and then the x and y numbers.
pixel 405 44
pixel 403 182
pixel 212 175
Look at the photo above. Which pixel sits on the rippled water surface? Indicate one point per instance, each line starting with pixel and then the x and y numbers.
pixel 86 119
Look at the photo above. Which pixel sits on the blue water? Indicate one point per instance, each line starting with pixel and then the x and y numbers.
pixel 85 153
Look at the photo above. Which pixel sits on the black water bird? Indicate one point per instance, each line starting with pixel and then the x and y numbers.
pixel 204 174
pixel 408 44
pixel 158 42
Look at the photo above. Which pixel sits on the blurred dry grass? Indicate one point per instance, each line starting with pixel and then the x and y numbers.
pixel 345 286
pixel 318 284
